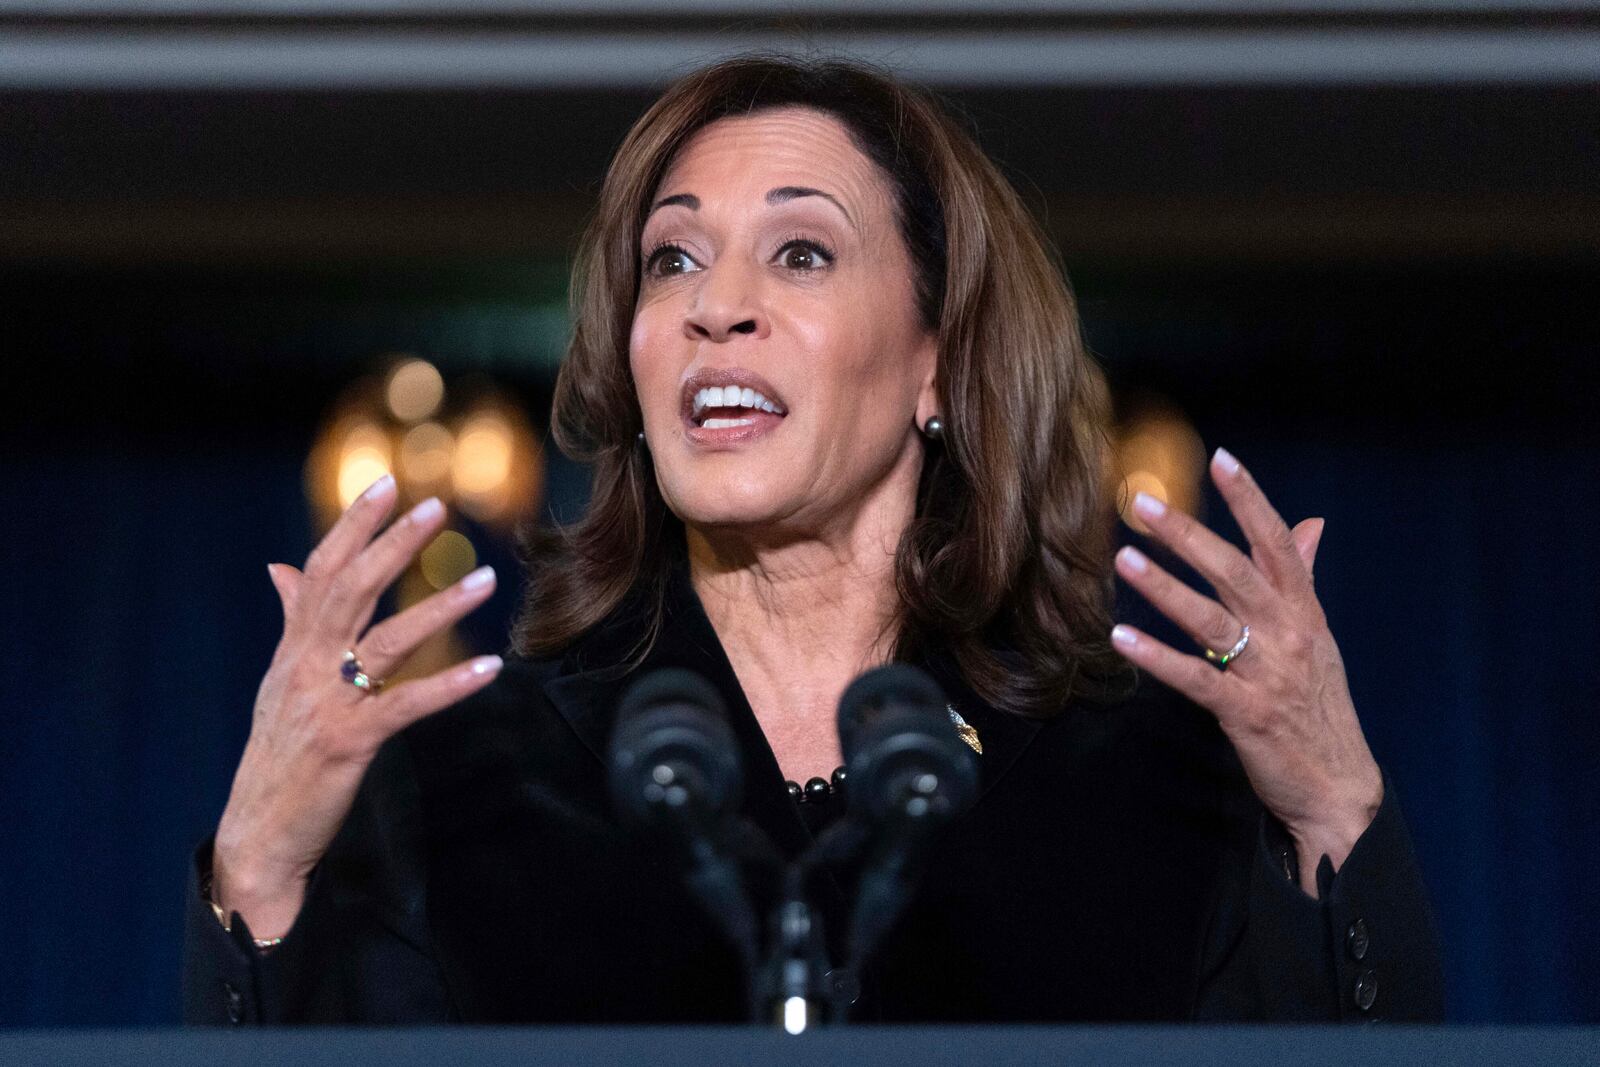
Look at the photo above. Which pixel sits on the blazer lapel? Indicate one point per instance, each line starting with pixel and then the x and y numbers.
pixel 1004 736
pixel 591 681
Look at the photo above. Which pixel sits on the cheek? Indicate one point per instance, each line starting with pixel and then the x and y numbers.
pixel 649 357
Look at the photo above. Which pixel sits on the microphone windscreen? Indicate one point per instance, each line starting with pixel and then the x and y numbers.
pixel 672 738
pixel 668 687
pixel 892 690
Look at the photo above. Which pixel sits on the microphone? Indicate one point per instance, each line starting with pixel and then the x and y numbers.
pixel 906 765
pixel 674 770
pixel 673 758
pixel 909 775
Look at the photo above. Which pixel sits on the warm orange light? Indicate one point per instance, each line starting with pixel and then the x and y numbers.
pixel 363 459
pixel 414 391
pixel 484 453
pixel 1159 453
pixel 425 454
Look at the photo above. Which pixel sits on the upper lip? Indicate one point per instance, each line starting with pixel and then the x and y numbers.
pixel 724 376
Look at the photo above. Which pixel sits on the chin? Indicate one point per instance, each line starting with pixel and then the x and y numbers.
pixel 702 498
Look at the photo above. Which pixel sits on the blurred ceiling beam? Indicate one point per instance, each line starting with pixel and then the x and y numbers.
pixel 638 44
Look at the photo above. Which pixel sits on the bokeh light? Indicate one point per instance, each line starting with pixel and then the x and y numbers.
pixel 448 558
pixel 1158 452
pixel 363 459
pixel 425 454
pixel 415 390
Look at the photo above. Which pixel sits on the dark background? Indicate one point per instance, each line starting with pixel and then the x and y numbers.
pixel 1381 297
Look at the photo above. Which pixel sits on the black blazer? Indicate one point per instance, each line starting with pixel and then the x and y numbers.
pixel 1116 866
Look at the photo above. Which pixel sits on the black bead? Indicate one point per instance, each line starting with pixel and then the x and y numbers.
pixel 794 791
pixel 817 790
pixel 839 775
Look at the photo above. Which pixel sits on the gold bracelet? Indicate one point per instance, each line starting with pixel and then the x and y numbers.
pixel 262 944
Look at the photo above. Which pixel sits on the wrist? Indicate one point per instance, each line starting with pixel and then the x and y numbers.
pixel 1335 833
pixel 266 896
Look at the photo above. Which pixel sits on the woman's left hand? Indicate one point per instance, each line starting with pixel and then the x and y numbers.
pixel 1284 701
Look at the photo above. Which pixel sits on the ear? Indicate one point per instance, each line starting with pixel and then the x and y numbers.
pixel 927 360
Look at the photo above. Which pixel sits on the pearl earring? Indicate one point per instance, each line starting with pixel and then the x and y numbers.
pixel 933 429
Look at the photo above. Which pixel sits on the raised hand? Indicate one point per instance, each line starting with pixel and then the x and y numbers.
pixel 1283 700
pixel 313 733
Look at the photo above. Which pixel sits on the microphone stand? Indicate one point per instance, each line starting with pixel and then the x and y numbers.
pixel 798 984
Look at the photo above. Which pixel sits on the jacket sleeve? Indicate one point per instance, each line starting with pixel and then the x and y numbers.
pixel 359 949
pixel 1366 949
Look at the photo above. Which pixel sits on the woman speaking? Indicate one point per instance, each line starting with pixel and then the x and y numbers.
pixel 830 382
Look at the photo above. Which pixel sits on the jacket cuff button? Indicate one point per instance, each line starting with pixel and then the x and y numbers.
pixel 1357 940
pixel 1366 990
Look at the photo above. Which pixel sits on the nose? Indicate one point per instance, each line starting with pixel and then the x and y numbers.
pixel 727 304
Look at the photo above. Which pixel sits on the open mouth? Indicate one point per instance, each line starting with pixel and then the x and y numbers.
pixel 728 405
pixel 717 407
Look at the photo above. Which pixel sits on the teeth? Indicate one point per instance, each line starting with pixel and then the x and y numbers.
pixel 723 424
pixel 732 396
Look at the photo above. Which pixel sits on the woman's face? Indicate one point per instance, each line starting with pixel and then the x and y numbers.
pixel 781 364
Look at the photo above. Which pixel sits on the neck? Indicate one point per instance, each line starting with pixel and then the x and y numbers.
pixel 800 619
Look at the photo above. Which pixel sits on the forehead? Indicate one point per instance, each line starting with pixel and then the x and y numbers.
pixel 777 147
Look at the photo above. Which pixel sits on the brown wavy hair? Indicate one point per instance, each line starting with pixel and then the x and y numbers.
pixel 1006 565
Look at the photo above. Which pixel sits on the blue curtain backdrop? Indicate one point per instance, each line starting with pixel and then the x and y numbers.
pixel 1458 571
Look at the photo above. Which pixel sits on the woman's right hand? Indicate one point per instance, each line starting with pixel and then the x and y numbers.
pixel 313 733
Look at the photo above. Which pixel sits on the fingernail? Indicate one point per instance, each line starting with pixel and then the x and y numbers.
pixel 487 664
pixel 1149 506
pixel 379 487
pixel 1226 461
pixel 1123 636
pixel 477 579
pixel 1135 560
pixel 428 509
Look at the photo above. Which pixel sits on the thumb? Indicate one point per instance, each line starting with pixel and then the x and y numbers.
pixel 286 580
pixel 1307 536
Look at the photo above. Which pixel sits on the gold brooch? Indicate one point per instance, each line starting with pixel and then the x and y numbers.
pixel 965 730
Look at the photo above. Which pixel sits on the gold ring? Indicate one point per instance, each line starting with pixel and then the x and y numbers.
pixel 353 672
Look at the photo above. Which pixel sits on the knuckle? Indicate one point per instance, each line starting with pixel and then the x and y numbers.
pixel 384 643
pixel 346 586
pixel 1220 625
pixel 1255 721
pixel 1296 641
pixel 317 563
pixel 1238 571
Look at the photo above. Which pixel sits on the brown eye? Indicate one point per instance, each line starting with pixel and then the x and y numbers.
pixel 803 256
pixel 668 259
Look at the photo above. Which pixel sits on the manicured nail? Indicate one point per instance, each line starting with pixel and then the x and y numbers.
pixel 1135 560
pixel 1226 461
pixel 486 664
pixel 428 509
pixel 477 579
pixel 380 487
pixel 1124 636
pixel 1149 506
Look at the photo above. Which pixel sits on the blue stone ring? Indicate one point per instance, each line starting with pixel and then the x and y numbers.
pixel 352 671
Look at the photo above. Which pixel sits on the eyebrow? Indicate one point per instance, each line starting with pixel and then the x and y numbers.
pixel 781 195
pixel 784 193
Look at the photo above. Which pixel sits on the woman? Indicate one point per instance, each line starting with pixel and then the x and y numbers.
pixel 832 388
